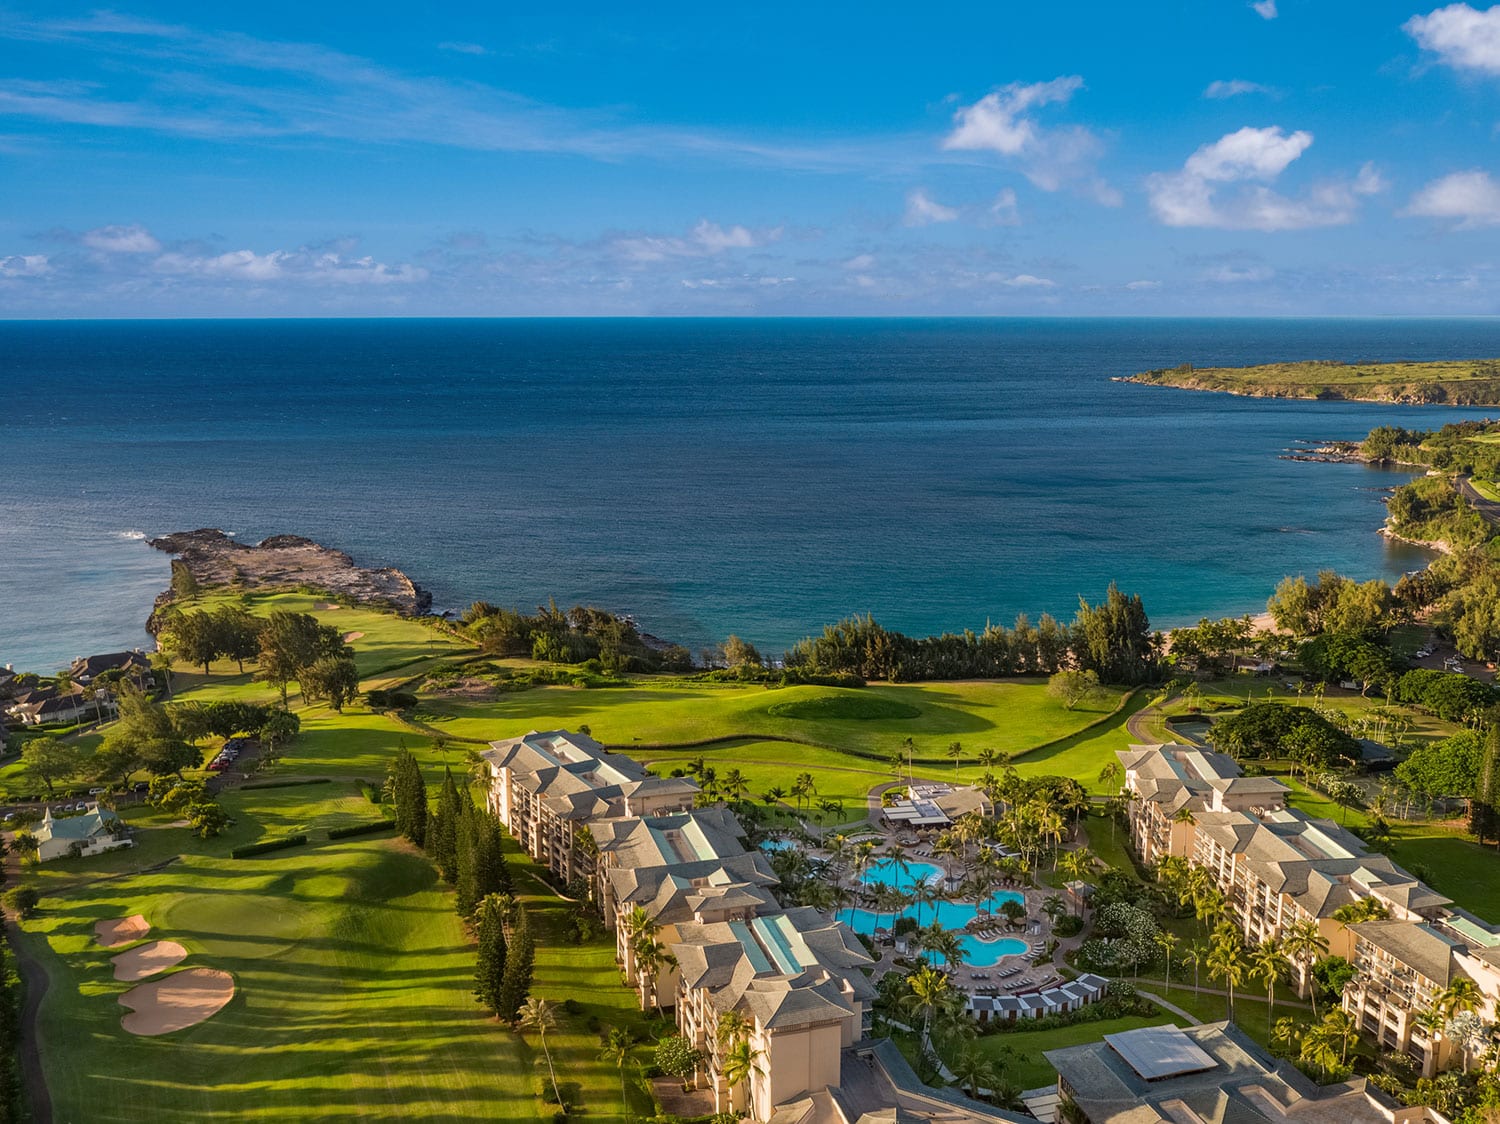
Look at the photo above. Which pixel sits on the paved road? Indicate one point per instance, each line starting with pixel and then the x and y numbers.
pixel 34 986
pixel 1487 508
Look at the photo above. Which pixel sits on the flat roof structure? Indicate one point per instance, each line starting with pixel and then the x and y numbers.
pixel 1155 1052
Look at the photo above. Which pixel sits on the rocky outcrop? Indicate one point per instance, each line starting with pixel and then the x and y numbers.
pixel 215 559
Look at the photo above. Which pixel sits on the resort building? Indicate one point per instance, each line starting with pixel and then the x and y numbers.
pixel 1278 867
pixel 72 836
pixel 1207 1075
pixel 725 944
pixel 545 787
pixel 794 977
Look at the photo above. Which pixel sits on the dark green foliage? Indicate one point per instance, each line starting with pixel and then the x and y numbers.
pixel 1276 730
pixel 262 848
pixel 196 721
pixel 362 829
pixel 332 679
pixel 293 642
pixel 1114 639
pixel 579 635
pixel 442 833
pixel 236 634
pixel 391 700
pixel 1450 767
pixel 677 1057
pixel 1342 655
pixel 1447 694
pixel 23 901
pixel 489 973
pixel 516 984
pixel 409 793
pixel 144 737
pixel 11 1111
pixel 289 782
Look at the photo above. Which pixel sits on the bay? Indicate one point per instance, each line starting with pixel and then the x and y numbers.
pixel 763 477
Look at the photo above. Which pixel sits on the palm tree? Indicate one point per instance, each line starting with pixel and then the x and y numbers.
pixel 1224 963
pixel 740 1063
pixel 1196 955
pixel 1304 944
pixel 803 787
pixel 1430 1021
pixel 1167 941
pixel 973 1069
pixel 955 750
pixel 732 1027
pixel 774 795
pixel 930 992
pixel 734 785
pixel 651 956
pixel 1054 908
pixel 537 1014
pixel 617 1049
pixel 1461 995
pixel 1269 964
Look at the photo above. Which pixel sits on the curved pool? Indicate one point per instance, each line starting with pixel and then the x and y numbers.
pixel 978 953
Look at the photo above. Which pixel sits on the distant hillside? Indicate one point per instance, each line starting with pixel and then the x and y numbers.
pixel 1464 382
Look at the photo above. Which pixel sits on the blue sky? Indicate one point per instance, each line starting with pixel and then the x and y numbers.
pixel 1173 158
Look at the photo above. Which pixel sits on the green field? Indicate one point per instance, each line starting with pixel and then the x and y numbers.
pixel 353 985
pixel 1468 382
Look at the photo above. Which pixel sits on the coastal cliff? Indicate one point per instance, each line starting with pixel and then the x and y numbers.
pixel 1470 382
pixel 215 559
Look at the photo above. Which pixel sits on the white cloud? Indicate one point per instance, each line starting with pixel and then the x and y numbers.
pixel 287 265
pixel 1142 286
pixel 1265 9
pixel 1238 275
pixel 999 122
pixel 922 209
pixel 1472 198
pixel 1024 281
pixel 464 48
pixel 1461 36
pixel 1233 88
pixel 861 262
pixel 24 265
pixel 1196 195
pixel 1003 210
pixel 1369 181
pixel 134 239
pixel 705 239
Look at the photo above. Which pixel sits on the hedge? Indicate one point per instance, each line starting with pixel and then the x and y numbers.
pixel 269 845
pixel 361 829
pixel 289 783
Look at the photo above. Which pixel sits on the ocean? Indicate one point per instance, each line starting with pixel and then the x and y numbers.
pixel 761 477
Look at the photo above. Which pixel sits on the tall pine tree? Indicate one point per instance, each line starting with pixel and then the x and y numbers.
pixel 516 984
pixel 442 839
pixel 490 972
pixel 466 882
pixel 410 792
pixel 1484 808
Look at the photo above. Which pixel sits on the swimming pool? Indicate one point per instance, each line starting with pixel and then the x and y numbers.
pixel 978 953
pixel 951 915
pixel 779 845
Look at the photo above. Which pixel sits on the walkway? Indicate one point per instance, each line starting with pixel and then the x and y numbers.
pixel 1189 1017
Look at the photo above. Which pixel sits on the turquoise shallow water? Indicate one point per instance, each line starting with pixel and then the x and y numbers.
pixel 760 477
pixel 978 953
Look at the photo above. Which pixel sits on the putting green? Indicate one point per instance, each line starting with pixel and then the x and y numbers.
pixel 237 924
pixel 855 706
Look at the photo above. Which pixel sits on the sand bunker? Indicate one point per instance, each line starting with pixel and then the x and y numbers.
pixel 350 637
pixel 324 606
pixel 148 959
pixel 125 930
pixel 177 1002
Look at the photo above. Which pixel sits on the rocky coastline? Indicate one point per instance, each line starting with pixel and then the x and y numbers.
pixel 282 561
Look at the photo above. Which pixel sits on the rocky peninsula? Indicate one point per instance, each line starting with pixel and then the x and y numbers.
pixel 215 559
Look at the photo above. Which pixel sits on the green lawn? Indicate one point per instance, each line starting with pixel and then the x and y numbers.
pixel 1486 489
pixel 353 978
pixel 1019 1052
pixel 1453 382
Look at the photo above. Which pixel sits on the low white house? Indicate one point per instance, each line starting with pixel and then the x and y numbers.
pixel 89 834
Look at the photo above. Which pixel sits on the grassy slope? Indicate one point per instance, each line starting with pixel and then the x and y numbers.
pixel 354 986
pixel 1462 382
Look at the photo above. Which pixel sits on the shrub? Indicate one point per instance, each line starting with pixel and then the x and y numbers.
pixel 268 845
pixel 361 829
pixel 23 901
